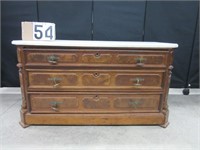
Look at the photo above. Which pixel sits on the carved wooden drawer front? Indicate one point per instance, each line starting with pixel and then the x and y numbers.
pixel 142 59
pixel 52 80
pixel 94 79
pixel 94 103
pixel 51 58
pixel 95 58
pixel 53 103
pixel 137 103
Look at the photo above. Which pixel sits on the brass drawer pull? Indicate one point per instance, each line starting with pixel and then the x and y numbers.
pixel 56 81
pixel 140 61
pixel 135 104
pixel 53 59
pixel 54 105
pixel 138 81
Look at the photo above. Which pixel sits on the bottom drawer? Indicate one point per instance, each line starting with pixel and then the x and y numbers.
pixel 94 103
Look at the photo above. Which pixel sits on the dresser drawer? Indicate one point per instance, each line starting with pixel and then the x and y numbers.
pixel 94 103
pixel 50 58
pixel 96 58
pixel 41 80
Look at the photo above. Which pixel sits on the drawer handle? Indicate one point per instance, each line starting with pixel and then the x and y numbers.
pixel 53 59
pixel 54 105
pixel 140 61
pixel 56 81
pixel 135 104
pixel 138 81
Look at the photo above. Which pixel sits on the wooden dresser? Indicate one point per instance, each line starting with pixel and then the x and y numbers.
pixel 94 82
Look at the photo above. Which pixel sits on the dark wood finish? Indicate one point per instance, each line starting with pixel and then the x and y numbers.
pixel 94 86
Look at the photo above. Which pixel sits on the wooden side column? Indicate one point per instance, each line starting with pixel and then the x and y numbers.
pixel 165 109
pixel 23 110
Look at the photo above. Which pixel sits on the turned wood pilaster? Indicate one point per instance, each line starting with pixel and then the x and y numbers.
pixel 22 84
pixel 165 109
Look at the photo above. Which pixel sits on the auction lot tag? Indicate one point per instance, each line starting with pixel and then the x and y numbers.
pixel 38 31
pixel 43 31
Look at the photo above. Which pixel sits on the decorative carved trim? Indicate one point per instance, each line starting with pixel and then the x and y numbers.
pixel 24 103
pixel 165 109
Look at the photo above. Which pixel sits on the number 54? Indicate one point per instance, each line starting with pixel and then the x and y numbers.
pixel 44 32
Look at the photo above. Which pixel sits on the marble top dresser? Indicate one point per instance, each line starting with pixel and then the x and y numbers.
pixel 66 82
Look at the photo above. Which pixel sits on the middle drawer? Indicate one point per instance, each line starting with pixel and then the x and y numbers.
pixel 93 80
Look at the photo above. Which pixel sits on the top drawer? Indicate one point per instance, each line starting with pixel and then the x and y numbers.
pixel 101 58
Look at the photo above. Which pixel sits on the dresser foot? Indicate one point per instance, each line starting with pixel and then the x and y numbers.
pixel 165 125
pixel 23 124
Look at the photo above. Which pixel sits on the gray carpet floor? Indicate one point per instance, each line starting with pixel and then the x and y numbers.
pixel 183 133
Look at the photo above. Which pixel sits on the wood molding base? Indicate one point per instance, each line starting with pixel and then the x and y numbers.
pixel 95 119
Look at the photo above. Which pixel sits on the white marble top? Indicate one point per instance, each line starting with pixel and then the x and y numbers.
pixel 108 44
